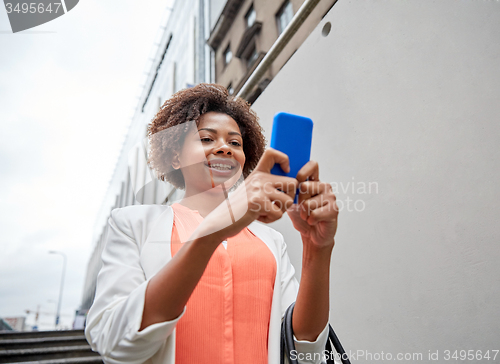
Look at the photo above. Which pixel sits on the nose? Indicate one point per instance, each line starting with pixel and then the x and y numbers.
pixel 222 148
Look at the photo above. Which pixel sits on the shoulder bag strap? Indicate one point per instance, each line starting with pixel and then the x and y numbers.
pixel 288 345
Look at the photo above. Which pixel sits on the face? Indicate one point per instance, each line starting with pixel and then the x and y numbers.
pixel 212 154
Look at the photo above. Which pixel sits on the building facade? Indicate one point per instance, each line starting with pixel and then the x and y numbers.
pixel 15 323
pixel 245 30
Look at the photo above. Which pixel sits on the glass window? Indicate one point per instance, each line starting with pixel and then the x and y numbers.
pixel 250 17
pixel 252 57
pixel 228 55
pixel 284 16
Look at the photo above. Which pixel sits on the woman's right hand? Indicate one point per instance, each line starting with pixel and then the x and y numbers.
pixel 262 196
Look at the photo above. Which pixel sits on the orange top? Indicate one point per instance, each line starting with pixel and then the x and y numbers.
pixel 227 316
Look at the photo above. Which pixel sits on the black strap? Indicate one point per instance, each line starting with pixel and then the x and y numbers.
pixel 288 345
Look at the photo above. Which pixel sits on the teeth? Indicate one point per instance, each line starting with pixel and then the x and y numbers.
pixel 220 166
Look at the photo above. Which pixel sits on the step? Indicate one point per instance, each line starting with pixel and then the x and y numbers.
pixel 47 353
pixel 6 335
pixel 42 342
pixel 83 360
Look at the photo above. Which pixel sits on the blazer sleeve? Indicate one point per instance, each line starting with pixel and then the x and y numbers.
pixel 308 352
pixel 115 317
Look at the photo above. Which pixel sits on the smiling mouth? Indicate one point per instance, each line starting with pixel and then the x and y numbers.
pixel 220 166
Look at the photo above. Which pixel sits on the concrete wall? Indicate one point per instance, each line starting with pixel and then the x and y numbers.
pixel 405 95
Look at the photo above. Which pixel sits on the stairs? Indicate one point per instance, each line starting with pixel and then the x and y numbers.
pixel 46 347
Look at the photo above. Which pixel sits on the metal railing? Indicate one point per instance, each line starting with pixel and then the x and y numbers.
pixel 285 37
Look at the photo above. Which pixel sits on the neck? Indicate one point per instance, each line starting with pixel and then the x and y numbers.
pixel 204 202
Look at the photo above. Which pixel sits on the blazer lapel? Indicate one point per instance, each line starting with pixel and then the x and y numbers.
pixel 156 251
pixel 262 232
pixel 273 340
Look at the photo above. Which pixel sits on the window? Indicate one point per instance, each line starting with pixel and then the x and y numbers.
pixel 250 16
pixel 230 89
pixel 252 57
pixel 284 16
pixel 228 55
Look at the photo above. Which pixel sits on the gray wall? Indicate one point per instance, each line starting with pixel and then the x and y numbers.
pixel 406 95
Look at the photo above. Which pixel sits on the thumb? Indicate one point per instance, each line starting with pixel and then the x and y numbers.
pixel 270 158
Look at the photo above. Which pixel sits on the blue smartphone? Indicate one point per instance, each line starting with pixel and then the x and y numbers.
pixel 292 135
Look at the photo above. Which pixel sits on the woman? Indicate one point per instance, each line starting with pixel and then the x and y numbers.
pixel 201 281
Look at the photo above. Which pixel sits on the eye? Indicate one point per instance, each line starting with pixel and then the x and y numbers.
pixel 206 139
pixel 236 143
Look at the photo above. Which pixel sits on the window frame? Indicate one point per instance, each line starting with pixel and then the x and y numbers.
pixel 280 12
pixel 250 10
pixel 224 55
pixel 250 56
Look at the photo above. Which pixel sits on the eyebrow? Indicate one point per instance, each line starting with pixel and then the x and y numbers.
pixel 215 131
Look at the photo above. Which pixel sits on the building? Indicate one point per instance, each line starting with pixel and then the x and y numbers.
pixel 243 32
pixel 4 325
pixel 15 323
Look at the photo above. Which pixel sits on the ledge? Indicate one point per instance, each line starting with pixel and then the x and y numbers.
pixel 224 22
pixel 247 37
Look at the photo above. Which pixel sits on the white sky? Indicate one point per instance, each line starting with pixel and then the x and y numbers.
pixel 68 91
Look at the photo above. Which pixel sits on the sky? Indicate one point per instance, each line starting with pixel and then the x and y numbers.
pixel 68 91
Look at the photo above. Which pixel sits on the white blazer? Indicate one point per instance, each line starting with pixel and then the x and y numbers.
pixel 137 247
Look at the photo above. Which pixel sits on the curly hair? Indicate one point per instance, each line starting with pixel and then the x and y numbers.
pixel 188 105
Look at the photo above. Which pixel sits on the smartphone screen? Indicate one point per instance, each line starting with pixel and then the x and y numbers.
pixel 292 135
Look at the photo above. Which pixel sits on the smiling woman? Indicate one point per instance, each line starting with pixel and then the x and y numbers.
pixel 218 144
pixel 169 128
pixel 203 271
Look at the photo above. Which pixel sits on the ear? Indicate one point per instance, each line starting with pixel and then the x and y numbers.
pixel 175 162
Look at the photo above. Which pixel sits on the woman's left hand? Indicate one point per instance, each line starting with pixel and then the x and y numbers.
pixel 315 215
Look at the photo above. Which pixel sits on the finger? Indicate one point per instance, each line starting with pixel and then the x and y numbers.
pixel 329 212
pixel 270 212
pixel 268 183
pixel 288 185
pixel 310 171
pixel 309 189
pixel 298 223
pixel 281 200
pixel 270 158
pixel 314 203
